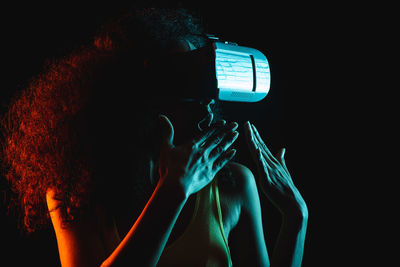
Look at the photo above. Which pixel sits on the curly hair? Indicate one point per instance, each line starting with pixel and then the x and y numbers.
pixel 72 125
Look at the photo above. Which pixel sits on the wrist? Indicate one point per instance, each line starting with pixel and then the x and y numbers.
pixel 297 217
pixel 174 190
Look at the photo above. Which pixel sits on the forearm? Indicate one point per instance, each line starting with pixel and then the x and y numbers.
pixel 289 247
pixel 145 241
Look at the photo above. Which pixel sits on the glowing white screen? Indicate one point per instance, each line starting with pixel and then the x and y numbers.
pixel 234 71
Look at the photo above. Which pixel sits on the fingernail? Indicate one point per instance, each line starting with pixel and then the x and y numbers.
pixel 218 123
pixel 235 135
pixel 253 127
pixel 234 125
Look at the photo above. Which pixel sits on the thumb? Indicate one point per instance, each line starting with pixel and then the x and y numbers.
pixel 167 131
pixel 281 157
pixel 282 153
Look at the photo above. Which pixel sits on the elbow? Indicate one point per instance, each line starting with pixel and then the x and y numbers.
pixel 298 217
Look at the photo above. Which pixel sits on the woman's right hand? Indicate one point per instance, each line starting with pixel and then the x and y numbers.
pixel 192 166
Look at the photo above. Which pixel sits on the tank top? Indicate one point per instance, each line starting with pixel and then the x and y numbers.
pixel 203 243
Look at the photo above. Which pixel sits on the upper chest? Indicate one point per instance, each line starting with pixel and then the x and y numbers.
pixel 202 209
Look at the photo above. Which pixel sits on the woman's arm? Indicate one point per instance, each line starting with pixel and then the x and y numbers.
pixel 289 247
pixel 276 183
pixel 183 170
pixel 145 241
pixel 79 242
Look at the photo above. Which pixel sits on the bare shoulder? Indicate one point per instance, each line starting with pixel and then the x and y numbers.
pixel 239 195
pixel 246 242
pixel 242 176
pixel 240 182
pixel 84 241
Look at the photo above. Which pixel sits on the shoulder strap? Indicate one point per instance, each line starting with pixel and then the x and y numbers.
pixel 221 224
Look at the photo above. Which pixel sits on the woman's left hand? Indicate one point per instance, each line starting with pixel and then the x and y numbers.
pixel 273 176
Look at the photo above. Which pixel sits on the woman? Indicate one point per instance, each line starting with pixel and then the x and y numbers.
pixel 129 180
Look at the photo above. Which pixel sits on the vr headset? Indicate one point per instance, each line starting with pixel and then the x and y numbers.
pixel 219 70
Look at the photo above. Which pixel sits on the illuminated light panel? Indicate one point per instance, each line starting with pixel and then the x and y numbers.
pixel 242 73
pixel 234 71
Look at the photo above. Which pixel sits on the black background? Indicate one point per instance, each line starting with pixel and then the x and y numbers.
pixel 314 108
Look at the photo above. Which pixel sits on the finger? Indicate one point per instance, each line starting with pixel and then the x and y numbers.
pixel 215 139
pixel 251 142
pixel 270 158
pixel 249 136
pixel 256 147
pixel 260 140
pixel 264 168
pixel 281 158
pixel 219 123
pixel 167 131
pixel 223 160
pixel 207 133
pixel 222 146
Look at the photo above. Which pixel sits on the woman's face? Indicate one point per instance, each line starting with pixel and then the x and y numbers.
pixel 190 117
